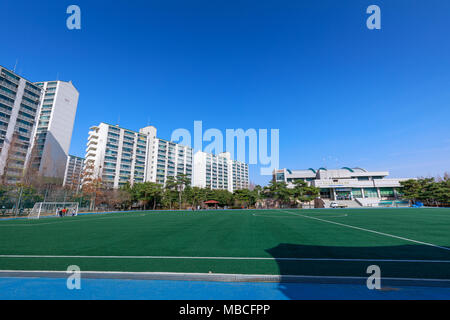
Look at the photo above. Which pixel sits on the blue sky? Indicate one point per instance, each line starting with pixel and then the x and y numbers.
pixel 340 94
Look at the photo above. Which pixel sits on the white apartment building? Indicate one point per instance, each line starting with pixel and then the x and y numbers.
pixel 19 108
pixel 240 175
pixel 165 158
pixel 73 172
pixel 219 172
pixel 115 155
pixel 54 130
pixel 118 156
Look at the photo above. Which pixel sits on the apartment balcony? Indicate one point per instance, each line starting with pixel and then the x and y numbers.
pixel 6 101
pixel 29 104
pixel 93 142
pixel 91 154
pixel 91 148
pixel 126 158
pixel 7 94
pixel 7 85
pixel 35 91
pixel 113 142
pixel 29 96
pixel 92 135
pixel 13 80
pixel 4 118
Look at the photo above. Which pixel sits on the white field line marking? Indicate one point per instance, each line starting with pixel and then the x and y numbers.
pixel 324 216
pixel 66 221
pixel 219 258
pixel 372 231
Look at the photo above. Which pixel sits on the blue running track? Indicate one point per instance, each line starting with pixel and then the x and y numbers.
pixel 54 288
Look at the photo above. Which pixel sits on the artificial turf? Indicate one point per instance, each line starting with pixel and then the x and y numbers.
pixel 236 233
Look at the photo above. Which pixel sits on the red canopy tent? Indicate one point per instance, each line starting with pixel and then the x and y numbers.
pixel 211 202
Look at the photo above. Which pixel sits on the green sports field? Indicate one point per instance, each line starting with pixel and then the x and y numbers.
pixel 405 243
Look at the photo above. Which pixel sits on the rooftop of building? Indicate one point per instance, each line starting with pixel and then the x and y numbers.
pixel 76 157
pixel 324 173
pixel 68 82
pixel 17 75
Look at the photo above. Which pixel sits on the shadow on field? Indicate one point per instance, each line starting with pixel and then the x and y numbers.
pixel 320 269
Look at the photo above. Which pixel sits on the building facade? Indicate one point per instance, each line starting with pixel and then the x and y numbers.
pixel 240 175
pixel 119 156
pixel 165 158
pixel 219 172
pixel 19 109
pixel 73 172
pixel 54 130
pixel 345 184
pixel 115 155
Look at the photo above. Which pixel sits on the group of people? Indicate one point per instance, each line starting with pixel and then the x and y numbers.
pixel 64 212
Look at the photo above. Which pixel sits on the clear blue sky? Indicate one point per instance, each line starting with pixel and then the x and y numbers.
pixel 341 95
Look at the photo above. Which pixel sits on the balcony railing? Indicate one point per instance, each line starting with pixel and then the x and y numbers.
pixel 14 80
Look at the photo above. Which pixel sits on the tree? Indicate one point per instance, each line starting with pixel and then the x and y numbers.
pixel 178 184
pixel 245 197
pixel 410 189
pixel 430 191
pixel 279 192
pixel 195 195
pixel 31 170
pixel 94 190
pixel 147 192
pixel 121 198
pixel 304 193
pixel 13 146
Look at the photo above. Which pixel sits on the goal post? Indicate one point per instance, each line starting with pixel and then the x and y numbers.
pixel 53 209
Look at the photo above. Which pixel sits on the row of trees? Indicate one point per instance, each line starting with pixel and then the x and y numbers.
pixel 429 191
pixel 179 194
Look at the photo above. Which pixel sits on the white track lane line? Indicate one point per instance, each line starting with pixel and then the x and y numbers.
pixel 372 231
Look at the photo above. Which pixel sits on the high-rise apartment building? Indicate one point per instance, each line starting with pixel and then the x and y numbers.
pixel 165 158
pixel 73 173
pixel 36 123
pixel 118 156
pixel 19 107
pixel 240 175
pixel 219 172
pixel 55 126
pixel 115 155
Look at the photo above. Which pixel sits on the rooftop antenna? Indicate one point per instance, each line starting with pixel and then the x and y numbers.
pixel 57 76
pixel 118 120
pixel 15 66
